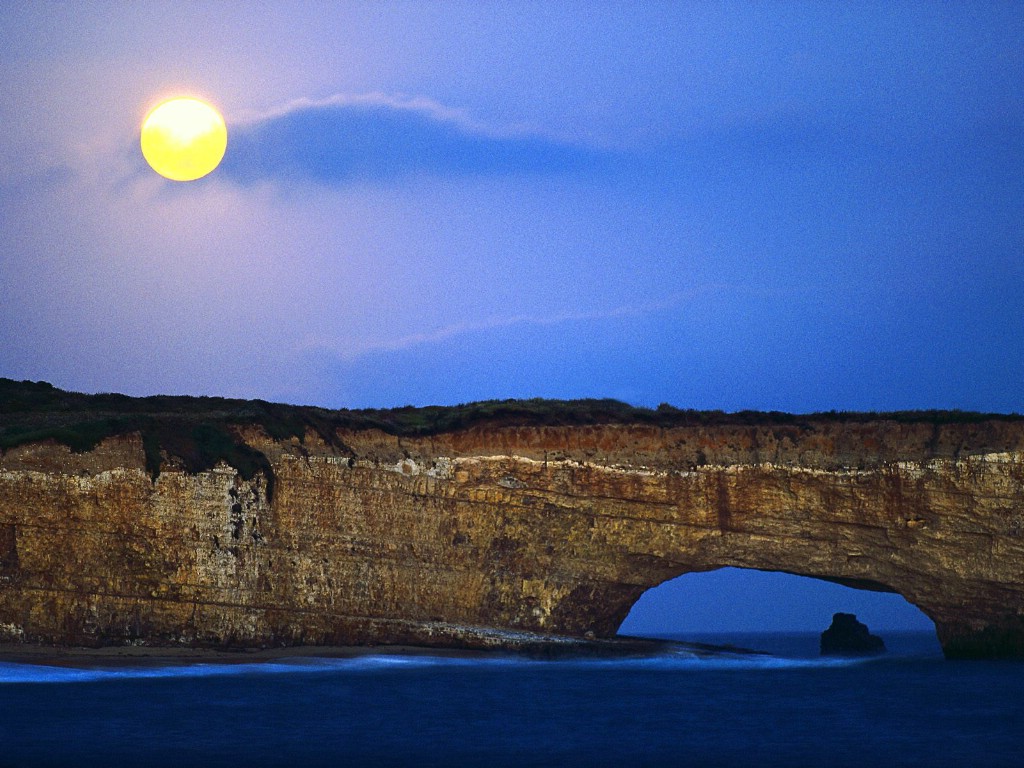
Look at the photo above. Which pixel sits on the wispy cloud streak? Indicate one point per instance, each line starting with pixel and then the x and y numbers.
pixel 375 137
pixel 445 333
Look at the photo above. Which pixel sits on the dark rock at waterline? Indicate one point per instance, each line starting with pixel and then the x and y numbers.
pixel 849 637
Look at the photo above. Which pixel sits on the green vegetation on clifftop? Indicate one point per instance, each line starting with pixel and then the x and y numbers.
pixel 201 431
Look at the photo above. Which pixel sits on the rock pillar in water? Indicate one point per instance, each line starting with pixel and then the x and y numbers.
pixel 849 637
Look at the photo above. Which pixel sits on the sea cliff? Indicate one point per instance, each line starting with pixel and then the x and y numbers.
pixel 219 523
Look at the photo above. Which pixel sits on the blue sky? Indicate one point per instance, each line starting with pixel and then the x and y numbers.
pixel 791 206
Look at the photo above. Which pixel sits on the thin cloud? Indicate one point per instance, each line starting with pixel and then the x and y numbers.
pixel 375 137
pixel 438 335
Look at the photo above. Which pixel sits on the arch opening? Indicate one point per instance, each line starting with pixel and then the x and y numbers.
pixel 736 601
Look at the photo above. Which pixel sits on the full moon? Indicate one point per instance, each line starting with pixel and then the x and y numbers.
pixel 184 138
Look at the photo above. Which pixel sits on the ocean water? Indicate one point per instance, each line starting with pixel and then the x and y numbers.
pixel 785 708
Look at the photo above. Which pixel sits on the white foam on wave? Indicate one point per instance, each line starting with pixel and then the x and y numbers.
pixel 40 673
pixel 21 673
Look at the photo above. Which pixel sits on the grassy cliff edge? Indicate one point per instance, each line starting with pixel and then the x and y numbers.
pixel 201 431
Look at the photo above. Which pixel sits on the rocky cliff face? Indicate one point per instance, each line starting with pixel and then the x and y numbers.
pixel 441 539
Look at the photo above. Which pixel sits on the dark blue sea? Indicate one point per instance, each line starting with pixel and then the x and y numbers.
pixel 786 708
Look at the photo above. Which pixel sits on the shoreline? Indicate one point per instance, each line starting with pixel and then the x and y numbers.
pixel 150 656
pixel 157 656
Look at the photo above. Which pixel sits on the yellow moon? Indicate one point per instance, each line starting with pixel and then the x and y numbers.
pixel 184 138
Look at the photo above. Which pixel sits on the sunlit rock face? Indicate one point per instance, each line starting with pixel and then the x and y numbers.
pixel 437 540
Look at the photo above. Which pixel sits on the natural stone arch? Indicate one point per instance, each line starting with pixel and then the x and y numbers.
pixel 939 531
pixel 373 537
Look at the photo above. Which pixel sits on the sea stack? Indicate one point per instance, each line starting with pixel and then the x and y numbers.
pixel 849 637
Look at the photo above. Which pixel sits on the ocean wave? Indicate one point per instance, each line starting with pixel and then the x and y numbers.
pixel 41 673
pixel 29 673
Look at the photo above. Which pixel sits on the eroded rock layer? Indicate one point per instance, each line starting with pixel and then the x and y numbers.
pixel 456 538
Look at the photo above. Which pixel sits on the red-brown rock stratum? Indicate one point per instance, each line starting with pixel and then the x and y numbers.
pixel 218 523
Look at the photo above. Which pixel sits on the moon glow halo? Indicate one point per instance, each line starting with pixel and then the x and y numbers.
pixel 183 139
